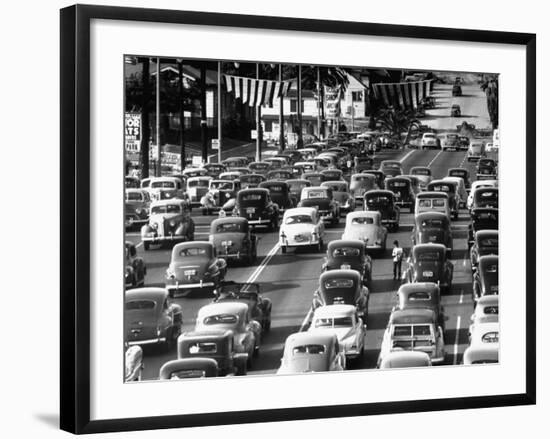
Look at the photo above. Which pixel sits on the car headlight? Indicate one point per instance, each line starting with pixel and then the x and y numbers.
pixel 227 195
pixel 155 226
pixel 172 223
pixel 170 274
pixel 378 242
pixel 139 210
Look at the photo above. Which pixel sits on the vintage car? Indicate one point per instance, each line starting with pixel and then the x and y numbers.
pixel 164 188
pixel 455 110
pixel 232 238
pixel 457 90
pixel 281 174
pixel 432 202
pixel 421 295
pixel 214 169
pixel 484 334
pixel 482 218
pixel 306 167
pixel 460 190
pixel 481 354
pixel 280 194
pixel 150 318
pixel 485 243
pixel 415 185
pixel 312 352
pixel 216 345
pixel 235 162
pixel 197 187
pixel 361 183
pixel 342 286
pixel 133 364
pixel 361 164
pixel 234 316
pixel 463 143
pixel 366 226
pixel 486 172
pixel 322 199
pixel 277 162
pixel 343 321
pixel 461 173
pixel 302 226
pixel 488 197
pixel 430 141
pixel 400 359
pixel 134 274
pixel 391 168
pixel 451 189
pixel 257 207
pixel 333 175
pixel 221 195
pixel 261 168
pixel 413 329
pixel 349 254
pixel 259 307
pixel 315 178
pixel 384 202
pixel 432 227
pixel 291 155
pixel 136 207
pixel 485 310
pixel 423 173
pixel 189 368
pixel 131 182
pixel 188 173
pixel 430 263
pixel 476 150
pixel 450 141
pixel 251 180
pixel 307 153
pixel 341 193
pixel 296 185
pixel 403 191
pixel 231 175
pixel 169 222
pixel 378 175
pixel 486 161
pixel 485 277
pixel 194 265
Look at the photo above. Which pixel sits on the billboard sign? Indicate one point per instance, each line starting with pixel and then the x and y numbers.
pixel 132 132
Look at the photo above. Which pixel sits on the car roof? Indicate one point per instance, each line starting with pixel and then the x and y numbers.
pixel 300 211
pixel 479 352
pixel 488 299
pixel 229 307
pixel 430 215
pixel 148 293
pixel 229 220
pixel 338 243
pixel 429 247
pixel 480 234
pixel 412 316
pixel 167 202
pixel 255 190
pixel 199 178
pixel 432 194
pixel 378 192
pixel 315 337
pixel 205 335
pixel 364 214
pixel 404 358
pixel 339 310
pixel 331 274
pixel 488 260
pixel 417 286
pixel 193 244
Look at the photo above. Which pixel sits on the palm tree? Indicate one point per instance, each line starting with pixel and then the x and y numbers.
pixel 490 86
pixel 397 121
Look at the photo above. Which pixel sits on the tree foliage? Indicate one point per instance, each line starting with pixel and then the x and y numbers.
pixel 397 121
pixel 489 85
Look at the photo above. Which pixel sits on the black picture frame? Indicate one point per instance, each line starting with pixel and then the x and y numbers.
pixel 75 217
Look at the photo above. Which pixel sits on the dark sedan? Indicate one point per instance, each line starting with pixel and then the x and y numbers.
pixel 432 227
pixel 429 263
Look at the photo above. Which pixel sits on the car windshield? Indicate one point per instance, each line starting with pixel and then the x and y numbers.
pixel 197 183
pixel 221 319
pixel 379 200
pixel 140 304
pixel 316 349
pixel 490 310
pixel 193 251
pixel 484 195
pixel 338 283
pixel 419 296
pixel 431 203
pixel 490 337
pixel 227 185
pixel 333 322
pixel 429 136
pixel 317 194
pixel 167 208
pixel 345 251
pixel 411 330
pixel 396 184
pixel 461 174
pixel 163 184
pixel 365 177
pixel 251 179
pixel 491 268
pixel 427 256
pixel 435 223
pixel 299 219
pixel 202 348
pixel 442 188
pixel 488 242
pixel 134 196
pixel 362 220
pixel 228 228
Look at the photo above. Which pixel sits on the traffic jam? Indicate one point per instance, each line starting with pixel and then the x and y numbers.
pixel 352 252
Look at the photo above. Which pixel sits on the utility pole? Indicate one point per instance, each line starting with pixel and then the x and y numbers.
pixel 204 122
pixel 157 115
pixel 258 122
pixel 319 102
pixel 181 115
pixel 219 111
pixel 281 112
pixel 146 132
pixel 300 142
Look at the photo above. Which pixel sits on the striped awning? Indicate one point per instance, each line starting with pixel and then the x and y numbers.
pixel 403 94
pixel 256 92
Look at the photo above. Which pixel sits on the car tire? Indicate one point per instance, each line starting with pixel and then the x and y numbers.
pixel 283 249
pixel 146 245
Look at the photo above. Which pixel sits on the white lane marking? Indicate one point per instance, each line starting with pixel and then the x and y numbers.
pixel 461 296
pixel 140 244
pixel 433 160
pixel 455 354
pixel 307 319
pixel 462 162
pixel 406 156
pixel 263 264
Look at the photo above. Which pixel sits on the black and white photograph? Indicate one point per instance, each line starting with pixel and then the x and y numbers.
pixel 285 219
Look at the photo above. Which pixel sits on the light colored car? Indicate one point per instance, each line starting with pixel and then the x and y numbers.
pixel 341 193
pixel 413 330
pixel 197 187
pixel 366 226
pixel 400 359
pixel 169 222
pixel 476 150
pixel 481 354
pixel 302 226
pixel 479 184
pixel 430 141
pixel 321 197
pixel 136 207
pixel 312 352
pixel 460 190
pixel 345 323
pixel 486 311
pixel 361 183
pixel 423 173
pixel 233 316
pixel 162 188
pixel 485 333
pixel 432 202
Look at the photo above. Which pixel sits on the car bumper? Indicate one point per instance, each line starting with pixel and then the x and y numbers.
pixel 259 222
pixel 294 243
pixel 129 222
pixel 237 255
pixel 389 221
pixel 438 360
pixel 184 286
pixel 148 341
pixel 326 215
pixel 157 239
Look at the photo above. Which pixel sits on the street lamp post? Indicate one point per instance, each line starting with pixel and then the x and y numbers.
pixel 258 122
pixel 157 111
pixel 281 112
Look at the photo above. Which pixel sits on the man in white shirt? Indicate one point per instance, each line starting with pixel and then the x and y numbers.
pixel 397 256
